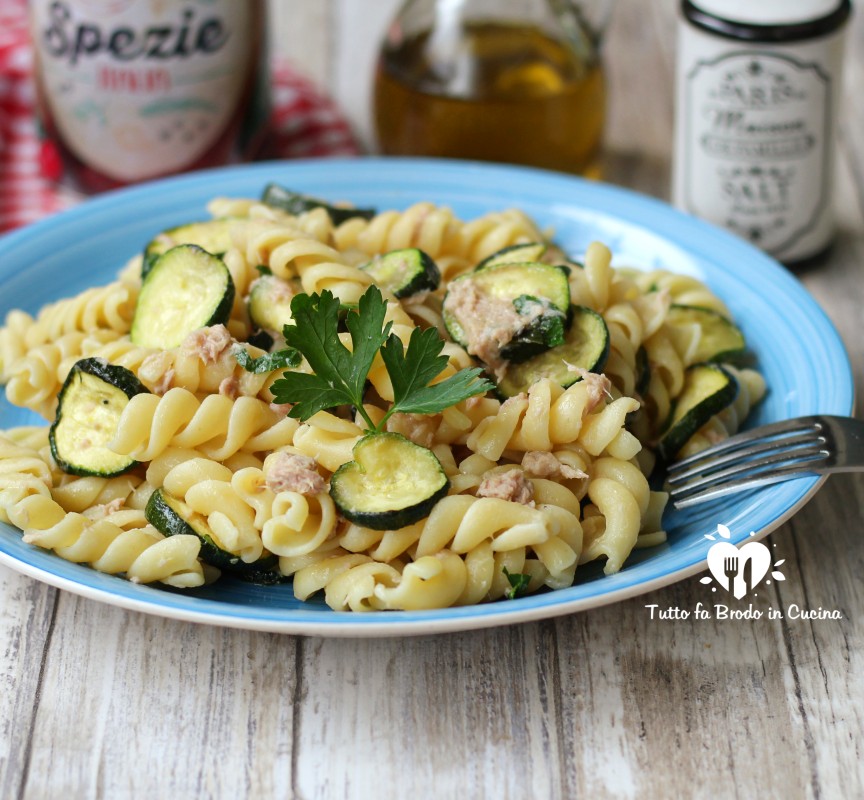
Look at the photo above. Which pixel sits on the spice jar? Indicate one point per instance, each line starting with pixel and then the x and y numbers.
pixel 132 89
pixel 757 98
pixel 517 81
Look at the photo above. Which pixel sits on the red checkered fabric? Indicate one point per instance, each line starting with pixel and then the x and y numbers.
pixel 305 123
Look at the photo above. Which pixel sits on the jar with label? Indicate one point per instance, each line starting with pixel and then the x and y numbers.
pixel 758 90
pixel 130 90
pixel 517 81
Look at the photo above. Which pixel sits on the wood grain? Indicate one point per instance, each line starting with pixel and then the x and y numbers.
pixel 102 703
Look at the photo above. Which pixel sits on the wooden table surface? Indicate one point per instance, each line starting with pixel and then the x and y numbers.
pixel 101 702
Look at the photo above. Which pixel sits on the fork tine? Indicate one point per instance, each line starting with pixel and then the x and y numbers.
pixel 703 491
pixel 788 446
pixel 799 425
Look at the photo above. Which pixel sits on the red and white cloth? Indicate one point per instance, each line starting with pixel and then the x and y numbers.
pixel 304 124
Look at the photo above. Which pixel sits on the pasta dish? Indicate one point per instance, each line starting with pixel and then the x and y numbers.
pixel 397 409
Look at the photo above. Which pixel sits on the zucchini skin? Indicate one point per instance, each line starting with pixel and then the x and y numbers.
pixel 167 521
pixel 118 377
pixel 514 254
pixel 393 518
pixel 425 276
pixel 680 430
pixel 296 203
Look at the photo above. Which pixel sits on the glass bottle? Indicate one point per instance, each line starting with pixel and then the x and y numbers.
pixel 758 93
pixel 130 90
pixel 517 81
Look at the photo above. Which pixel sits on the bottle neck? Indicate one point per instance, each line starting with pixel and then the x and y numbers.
pixel 709 15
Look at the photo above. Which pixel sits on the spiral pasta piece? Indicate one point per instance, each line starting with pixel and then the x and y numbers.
pixel 217 425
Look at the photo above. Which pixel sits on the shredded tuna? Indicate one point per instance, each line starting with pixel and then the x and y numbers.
pixel 540 464
pixel 281 409
pixel 419 428
pixel 288 472
pixel 230 387
pixel 489 322
pixel 546 465
pixel 105 509
pixel 511 485
pixel 207 343
pixel 598 385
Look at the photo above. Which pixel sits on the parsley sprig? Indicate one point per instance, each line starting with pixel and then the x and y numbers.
pixel 339 374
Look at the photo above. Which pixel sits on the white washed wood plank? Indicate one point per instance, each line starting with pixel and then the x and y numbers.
pixel 470 715
pixel 138 706
pixel 27 611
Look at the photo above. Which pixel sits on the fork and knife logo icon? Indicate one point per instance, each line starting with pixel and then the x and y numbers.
pixel 738 569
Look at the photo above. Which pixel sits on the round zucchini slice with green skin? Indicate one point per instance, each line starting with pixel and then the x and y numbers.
pixel 296 203
pixel 270 303
pixel 404 272
pixel 214 235
pixel 171 516
pixel 89 408
pixel 586 345
pixel 514 254
pixel 708 389
pixel 187 289
pixel 391 483
pixel 720 339
pixel 507 283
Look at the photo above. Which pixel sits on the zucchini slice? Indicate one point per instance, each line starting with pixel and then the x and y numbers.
pixel 214 235
pixel 514 254
pixel 391 482
pixel 586 345
pixel 708 389
pixel 296 203
pixel 171 516
pixel 720 339
pixel 270 303
pixel 495 287
pixel 89 407
pixel 404 272
pixel 187 288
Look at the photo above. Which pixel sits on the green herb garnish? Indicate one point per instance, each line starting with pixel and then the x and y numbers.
pixel 263 269
pixel 340 374
pixel 518 583
pixel 287 357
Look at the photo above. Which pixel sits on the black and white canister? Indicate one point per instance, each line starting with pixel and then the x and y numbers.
pixel 757 96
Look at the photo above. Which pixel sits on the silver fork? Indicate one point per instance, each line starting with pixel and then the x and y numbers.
pixel 780 451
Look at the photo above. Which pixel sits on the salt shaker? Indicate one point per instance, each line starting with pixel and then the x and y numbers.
pixel 757 97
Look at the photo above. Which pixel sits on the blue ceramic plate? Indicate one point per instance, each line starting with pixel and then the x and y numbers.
pixel 799 353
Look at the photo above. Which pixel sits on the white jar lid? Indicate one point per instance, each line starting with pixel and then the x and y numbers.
pixel 768 12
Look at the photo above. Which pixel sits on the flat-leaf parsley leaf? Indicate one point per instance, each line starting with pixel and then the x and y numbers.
pixel 339 374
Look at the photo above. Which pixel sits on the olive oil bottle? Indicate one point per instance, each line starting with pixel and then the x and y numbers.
pixel 526 90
